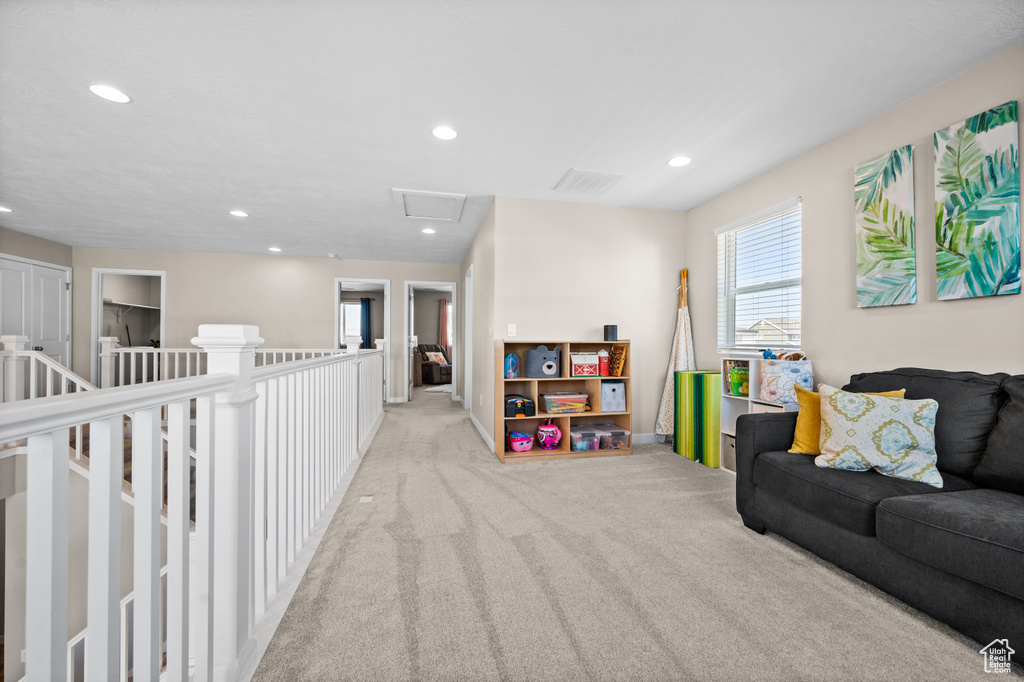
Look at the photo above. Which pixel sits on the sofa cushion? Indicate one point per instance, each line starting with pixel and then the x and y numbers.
pixel 969 404
pixel 895 437
pixel 975 534
pixel 1002 465
pixel 845 498
pixel 807 437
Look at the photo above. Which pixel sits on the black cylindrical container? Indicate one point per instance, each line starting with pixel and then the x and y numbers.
pixel 611 332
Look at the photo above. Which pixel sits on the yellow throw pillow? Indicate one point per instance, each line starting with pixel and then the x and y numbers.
pixel 808 421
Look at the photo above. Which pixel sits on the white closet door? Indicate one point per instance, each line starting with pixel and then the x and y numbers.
pixel 15 297
pixel 34 302
pixel 50 324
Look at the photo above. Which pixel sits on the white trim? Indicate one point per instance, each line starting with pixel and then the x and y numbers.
pixel 759 216
pixel 417 284
pixel 71 302
pixel 467 340
pixel 97 310
pixel 338 281
pixel 397 399
pixel 483 432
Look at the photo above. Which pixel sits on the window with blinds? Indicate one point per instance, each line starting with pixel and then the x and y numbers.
pixel 759 281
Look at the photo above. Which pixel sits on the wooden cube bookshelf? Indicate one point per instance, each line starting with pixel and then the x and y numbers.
pixel 534 387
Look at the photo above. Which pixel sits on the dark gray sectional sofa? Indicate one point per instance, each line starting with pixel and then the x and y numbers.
pixel 955 553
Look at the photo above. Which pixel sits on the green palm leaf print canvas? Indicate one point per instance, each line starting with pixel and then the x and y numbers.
pixel 884 204
pixel 977 205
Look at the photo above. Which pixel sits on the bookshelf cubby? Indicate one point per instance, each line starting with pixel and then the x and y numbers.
pixel 534 387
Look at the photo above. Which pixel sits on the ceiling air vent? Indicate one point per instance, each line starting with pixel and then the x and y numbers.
pixel 587 182
pixel 429 205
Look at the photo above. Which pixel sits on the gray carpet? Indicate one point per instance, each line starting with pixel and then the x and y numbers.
pixel 614 568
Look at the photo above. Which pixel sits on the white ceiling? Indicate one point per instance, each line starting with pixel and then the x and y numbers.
pixel 307 113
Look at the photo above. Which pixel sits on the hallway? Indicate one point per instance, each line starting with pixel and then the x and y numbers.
pixel 618 568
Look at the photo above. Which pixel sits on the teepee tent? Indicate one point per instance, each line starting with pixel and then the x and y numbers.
pixel 680 360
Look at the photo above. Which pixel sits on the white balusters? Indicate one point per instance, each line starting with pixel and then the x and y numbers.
pixel 46 584
pixel 106 474
pixel 178 512
pixel 147 477
pixel 271 447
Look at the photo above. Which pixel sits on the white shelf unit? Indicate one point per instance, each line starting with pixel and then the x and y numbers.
pixel 735 405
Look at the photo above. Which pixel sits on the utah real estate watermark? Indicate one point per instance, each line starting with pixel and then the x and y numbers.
pixel 997 656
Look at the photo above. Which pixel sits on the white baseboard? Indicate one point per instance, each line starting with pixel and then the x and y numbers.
pixel 365 445
pixel 641 438
pixel 483 432
pixel 397 399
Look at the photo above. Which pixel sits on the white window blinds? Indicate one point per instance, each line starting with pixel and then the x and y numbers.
pixel 759 281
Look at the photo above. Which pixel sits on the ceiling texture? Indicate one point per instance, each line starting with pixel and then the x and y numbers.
pixel 307 114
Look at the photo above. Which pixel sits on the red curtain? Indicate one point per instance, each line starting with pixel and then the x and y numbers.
pixel 442 332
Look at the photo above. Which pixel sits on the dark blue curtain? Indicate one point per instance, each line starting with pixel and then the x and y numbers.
pixel 365 326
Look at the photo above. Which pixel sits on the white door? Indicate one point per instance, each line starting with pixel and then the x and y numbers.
pixel 34 302
pixel 15 297
pixel 50 333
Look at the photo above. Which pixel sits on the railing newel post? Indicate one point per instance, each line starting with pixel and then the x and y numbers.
pixel 229 349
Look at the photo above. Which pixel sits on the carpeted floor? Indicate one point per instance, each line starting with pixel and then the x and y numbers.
pixel 614 568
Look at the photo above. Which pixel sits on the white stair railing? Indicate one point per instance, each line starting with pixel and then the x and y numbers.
pixel 138 365
pixel 273 442
pixel 27 374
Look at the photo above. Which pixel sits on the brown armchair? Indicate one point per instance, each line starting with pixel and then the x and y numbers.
pixel 435 372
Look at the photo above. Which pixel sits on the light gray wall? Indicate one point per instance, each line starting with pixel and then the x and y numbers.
pixel 291 299
pixel 427 315
pixel 564 270
pixel 35 248
pixel 981 334
pixel 480 256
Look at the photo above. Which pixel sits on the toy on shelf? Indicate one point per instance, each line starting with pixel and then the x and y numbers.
pixel 520 442
pixel 511 366
pixel 549 435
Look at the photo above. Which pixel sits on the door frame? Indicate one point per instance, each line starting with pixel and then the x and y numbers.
pixel 419 284
pixel 97 311
pixel 68 315
pixel 338 281
pixel 467 340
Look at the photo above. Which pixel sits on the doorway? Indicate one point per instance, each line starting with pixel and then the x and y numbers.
pixel 35 301
pixel 129 305
pixel 430 321
pixel 363 309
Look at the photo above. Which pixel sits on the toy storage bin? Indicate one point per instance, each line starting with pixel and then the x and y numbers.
pixel 584 438
pixel 611 437
pixel 613 396
pixel 564 402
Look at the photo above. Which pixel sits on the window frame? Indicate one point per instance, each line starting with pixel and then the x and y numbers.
pixel 727 291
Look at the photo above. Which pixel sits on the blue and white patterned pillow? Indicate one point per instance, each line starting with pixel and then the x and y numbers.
pixel 779 379
pixel 892 436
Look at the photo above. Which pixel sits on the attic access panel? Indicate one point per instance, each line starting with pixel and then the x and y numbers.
pixel 418 205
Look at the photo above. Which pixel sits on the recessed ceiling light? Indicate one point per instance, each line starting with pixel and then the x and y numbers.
pixel 679 161
pixel 110 93
pixel 429 230
pixel 4 209
pixel 274 249
pixel 239 214
pixel 445 133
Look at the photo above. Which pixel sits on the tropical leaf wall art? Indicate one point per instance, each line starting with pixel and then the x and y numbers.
pixel 884 206
pixel 977 205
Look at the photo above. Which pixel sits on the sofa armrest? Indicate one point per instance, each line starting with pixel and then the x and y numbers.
pixel 757 433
